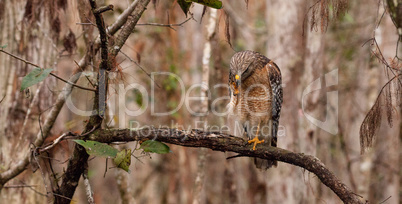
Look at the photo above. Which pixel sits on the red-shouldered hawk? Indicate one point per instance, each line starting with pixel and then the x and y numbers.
pixel 256 98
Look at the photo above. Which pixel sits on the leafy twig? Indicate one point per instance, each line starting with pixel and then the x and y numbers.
pixel 54 75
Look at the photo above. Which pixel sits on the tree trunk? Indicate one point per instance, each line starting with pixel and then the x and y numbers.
pixel 286 47
pixel 385 170
pixel 29 31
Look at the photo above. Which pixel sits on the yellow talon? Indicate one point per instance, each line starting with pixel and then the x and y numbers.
pixel 255 141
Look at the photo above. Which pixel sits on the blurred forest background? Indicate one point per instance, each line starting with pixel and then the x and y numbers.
pixel 51 34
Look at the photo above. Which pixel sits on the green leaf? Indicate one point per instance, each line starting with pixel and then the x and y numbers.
pixel 184 5
pixel 123 159
pixel 155 147
pixel 35 76
pixel 97 149
pixel 3 46
pixel 210 3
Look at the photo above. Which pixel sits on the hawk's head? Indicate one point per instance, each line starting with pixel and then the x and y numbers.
pixel 241 66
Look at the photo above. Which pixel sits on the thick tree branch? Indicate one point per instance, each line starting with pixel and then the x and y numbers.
pixel 104 65
pixel 227 143
pixel 129 26
pixel 75 165
pixel 122 19
pixel 102 9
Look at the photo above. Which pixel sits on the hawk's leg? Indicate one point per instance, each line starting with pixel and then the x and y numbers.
pixel 255 140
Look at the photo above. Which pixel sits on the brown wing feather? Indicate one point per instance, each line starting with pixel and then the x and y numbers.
pixel 277 96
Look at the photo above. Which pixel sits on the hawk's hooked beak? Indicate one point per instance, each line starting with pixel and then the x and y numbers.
pixel 237 85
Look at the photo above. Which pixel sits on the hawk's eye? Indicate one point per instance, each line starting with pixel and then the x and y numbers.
pixel 246 72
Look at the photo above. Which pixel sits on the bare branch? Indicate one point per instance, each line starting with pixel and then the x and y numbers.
pixel 385 200
pixel 56 141
pixel 166 25
pixel 378 54
pixel 103 9
pixel 136 63
pixel 48 192
pixel 85 24
pixel 72 84
pixel 31 187
pixel 3 98
pixel 28 112
pixel 20 186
